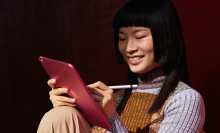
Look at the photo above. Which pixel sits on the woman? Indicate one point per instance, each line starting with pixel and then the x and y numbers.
pixel 148 37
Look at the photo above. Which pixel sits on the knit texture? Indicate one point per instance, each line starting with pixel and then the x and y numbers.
pixel 183 111
pixel 135 115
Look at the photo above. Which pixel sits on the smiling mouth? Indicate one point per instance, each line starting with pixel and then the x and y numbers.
pixel 136 58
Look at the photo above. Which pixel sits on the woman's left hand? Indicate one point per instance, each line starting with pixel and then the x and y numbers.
pixel 103 97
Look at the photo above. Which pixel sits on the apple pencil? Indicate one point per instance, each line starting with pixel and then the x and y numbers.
pixel 122 86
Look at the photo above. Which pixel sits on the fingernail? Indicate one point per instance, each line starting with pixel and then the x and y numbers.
pixel 73 100
pixel 65 89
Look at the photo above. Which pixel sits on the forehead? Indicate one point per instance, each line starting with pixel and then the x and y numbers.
pixel 133 30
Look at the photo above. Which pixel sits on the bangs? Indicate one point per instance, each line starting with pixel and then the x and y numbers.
pixel 131 14
pixel 137 13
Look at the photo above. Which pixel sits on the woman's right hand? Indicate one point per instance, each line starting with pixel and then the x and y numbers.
pixel 56 98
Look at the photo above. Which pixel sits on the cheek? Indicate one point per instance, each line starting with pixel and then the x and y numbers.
pixel 148 46
pixel 121 48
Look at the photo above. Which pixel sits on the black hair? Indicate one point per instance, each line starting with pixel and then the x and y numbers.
pixel 162 19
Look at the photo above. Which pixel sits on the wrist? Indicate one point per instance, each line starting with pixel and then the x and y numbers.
pixel 110 114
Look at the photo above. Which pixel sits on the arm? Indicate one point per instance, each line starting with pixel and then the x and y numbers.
pixel 184 113
pixel 117 124
pixel 103 96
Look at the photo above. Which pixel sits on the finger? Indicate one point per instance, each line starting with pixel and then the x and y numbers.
pixel 63 99
pixel 58 104
pixel 58 91
pixel 99 85
pixel 97 91
pixel 51 83
pixel 97 98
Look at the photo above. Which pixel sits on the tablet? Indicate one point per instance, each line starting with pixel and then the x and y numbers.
pixel 67 77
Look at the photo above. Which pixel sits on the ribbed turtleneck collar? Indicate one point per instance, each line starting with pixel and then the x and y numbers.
pixel 152 79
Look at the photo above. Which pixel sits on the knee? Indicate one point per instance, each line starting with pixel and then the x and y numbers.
pixel 62 118
pixel 60 113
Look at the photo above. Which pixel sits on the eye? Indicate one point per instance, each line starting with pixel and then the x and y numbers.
pixel 140 37
pixel 122 39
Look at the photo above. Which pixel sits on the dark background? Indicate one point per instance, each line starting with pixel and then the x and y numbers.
pixel 80 32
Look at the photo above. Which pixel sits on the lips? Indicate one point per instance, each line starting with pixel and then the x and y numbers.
pixel 135 59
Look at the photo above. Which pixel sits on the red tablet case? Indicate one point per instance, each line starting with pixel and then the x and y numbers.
pixel 67 77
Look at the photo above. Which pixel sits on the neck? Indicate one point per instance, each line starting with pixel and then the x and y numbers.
pixel 151 79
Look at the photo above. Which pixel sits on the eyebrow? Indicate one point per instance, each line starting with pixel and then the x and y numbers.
pixel 135 31
pixel 138 30
pixel 120 32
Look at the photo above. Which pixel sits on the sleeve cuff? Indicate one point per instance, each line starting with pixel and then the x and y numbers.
pixel 117 124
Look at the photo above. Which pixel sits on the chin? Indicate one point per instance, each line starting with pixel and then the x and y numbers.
pixel 138 71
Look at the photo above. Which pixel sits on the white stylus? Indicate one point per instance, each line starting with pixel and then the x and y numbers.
pixel 122 86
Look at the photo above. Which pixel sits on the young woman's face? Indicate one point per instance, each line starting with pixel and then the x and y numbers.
pixel 136 46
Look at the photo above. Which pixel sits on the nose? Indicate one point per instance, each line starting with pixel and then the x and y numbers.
pixel 131 47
